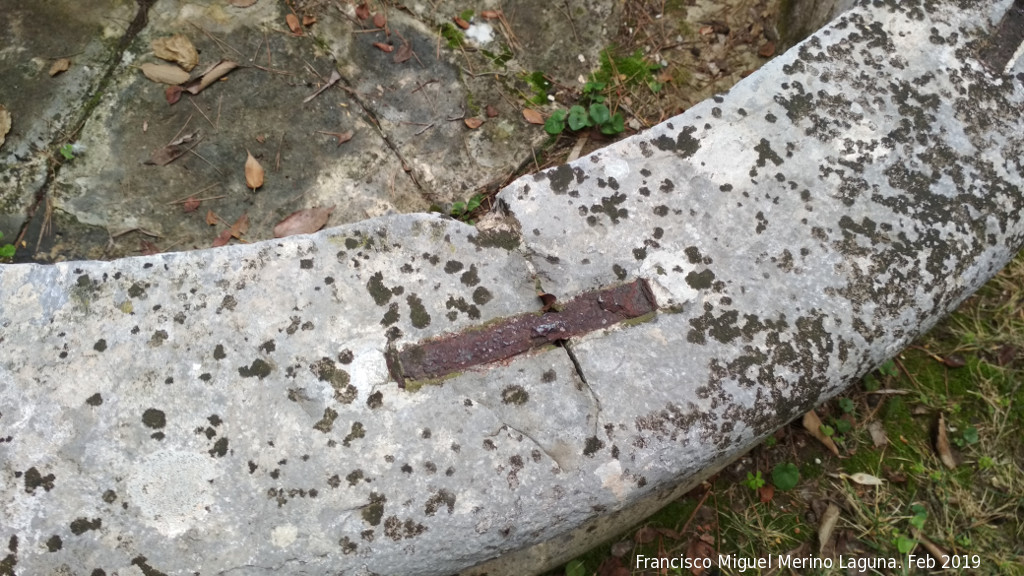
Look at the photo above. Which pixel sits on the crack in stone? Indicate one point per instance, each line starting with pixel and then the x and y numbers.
pixel 578 367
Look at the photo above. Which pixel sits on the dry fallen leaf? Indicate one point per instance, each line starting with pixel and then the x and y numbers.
pixel 827 525
pixel 191 204
pixel 384 47
pixel 5 123
pixel 767 50
pixel 59 65
pixel 177 48
pixel 461 23
pixel 164 73
pixel 363 11
pixel 864 479
pixel 490 14
pixel 380 20
pixel 766 493
pixel 473 123
pixel 308 20
pixel 341 136
pixel 241 3
pixel 173 94
pixel 240 227
pixel 404 52
pixel 253 172
pixel 491 111
pixel 211 75
pixel 293 24
pixel 303 222
pixel 877 432
pixel 532 116
pixel 221 239
pixel 813 425
pixel 172 151
pixel 942 445
pixel 211 218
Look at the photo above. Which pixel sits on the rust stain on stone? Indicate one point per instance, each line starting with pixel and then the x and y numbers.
pixel 504 339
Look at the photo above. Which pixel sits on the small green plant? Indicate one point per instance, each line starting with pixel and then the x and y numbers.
pixel 785 475
pixel 578 118
pixel 967 438
pixel 462 210
pixel 452 35
pixel 575 568
pixel 919 517
pixel 842 426
pixel 6 250
pixel 846 405
pixel 827 430
pixel 754 482
pixel 888 368
pixel 904 544
pixel 68 151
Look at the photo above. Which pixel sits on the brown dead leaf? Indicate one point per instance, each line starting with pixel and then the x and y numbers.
pixel 241 3
pixel 172 94
pixel 404 52
pixel 766 493
pixel 223 238
pixel 532 116
pixel 191 204
pixel 768 50
pixel 384 47
pixel 253 172
pixel 877 432
pixel 461 23
pixel 211 218
pixel 699 549
pixel 863 478
pixel 60 65
pixel 490 14
pixel 5 123
pixel 164 73
pixel 293 24
pixel 211 75
pixel 473 123
pixel 942 444
pixel 341 136
pixel 303 222
pixel 645 535
pixel 240 227
pixel 177 48
pixel 491 111
pixel 172 151
pixel 954 361
pixel 827 526
pixel 548 301
pixel 813 425
pixel 308 20
pixel 147 248
pixel 363 11
pixel 380 20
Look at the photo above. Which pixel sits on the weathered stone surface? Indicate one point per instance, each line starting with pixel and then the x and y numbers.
pixel 796 232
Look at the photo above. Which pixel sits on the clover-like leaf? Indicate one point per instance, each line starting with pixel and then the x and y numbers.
pixel 555 123
pixel 600 114
pixel 785 476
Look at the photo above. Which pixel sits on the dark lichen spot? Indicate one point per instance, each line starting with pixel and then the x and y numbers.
pixel 326 424
pixel 94 400
pixel 667 186
pixel 352 243
pixel 380 293
pixel 347 546
pixel 609 207
pixel 417 313
pixel 396 529
pixel 357 431
pixel 353 477
pixel 549 376
pixel 514 394
pixel 136 290
pixel 470 277
pixel 441 497
pixel 489 444
pixel 453 266
pixel 258 368
pixel 482 295
pixel 146 569
pixel 220 448
pixel 425 433
pixel 559 178
pixel 376 400
pixel 406 468
pixel 592 445
pixel 109 496
pixel 505 239
pixel 639 253
pixel 158 338
pixel 154 418
pixel 391 316
pixel 268 346
pixel 684 144
pixel 100 345
pixel 227 303
pixel 765 152
pixel 701 280
pixel 54 543
pixel 661 210
pixel 305 263
pixel 218 352
pixel 83 525
pixel 619 271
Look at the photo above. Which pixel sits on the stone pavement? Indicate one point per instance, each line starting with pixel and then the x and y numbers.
pixel 239 410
